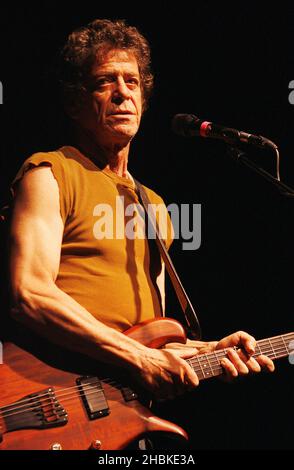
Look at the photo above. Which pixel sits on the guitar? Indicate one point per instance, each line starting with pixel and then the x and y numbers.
pixel 56 399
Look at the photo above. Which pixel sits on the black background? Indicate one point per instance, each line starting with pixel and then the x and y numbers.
pixel 228 63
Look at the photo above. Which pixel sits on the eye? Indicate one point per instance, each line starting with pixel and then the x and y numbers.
pixel 133 81
pixel 103 81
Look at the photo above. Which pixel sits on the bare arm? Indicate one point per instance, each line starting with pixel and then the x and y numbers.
pixel 36 237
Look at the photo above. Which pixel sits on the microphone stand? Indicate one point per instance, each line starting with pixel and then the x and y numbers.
pixel 240 156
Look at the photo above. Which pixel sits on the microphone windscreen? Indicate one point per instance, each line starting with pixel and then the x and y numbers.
pixel 185 125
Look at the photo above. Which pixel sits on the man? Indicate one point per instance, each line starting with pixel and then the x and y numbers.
pixel 71 284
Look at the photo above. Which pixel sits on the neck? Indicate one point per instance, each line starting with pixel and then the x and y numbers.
pixel 114 156
pixel 118 161
pixel 209 365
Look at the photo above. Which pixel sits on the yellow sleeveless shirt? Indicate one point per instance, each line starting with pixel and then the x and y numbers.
pixel 110 274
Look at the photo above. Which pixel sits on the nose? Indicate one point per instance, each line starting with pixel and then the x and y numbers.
pixel 121 92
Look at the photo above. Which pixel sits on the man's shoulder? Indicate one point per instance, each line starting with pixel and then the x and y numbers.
pixel 65 160
pixel 42 158
pixel 59 161
pixel 61 155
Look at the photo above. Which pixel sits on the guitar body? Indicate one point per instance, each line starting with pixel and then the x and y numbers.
pixel 61 406
pixel 51 398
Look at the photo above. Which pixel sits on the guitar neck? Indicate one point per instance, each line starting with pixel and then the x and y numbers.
pixel 208 365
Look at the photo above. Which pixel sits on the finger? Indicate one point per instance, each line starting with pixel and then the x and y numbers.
pixel 253 365
pixel 190 377
pixel 234 357
pixel 240 339
pixel 265 363
pixel 247 342
pixel 230 370
pixel 250 362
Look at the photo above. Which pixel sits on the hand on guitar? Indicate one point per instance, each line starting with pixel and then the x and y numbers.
pixel 239 361
pixel 241 347
pixel 166 374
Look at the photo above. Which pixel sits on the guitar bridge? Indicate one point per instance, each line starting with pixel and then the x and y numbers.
pixel 36 411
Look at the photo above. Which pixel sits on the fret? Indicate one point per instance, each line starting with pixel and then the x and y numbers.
pixel 208 365
pixel 211 361
pixel 287 349
pixel 275 344
pixel 267 347
pixel 189 362
pixel 193 366
pixel 207 358
pixel 205 364
pixel 274 352
pixel 219 370
pixel 275 347
pixel 201 369
pixel 257 347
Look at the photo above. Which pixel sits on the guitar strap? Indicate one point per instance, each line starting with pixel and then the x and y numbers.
pixel 193 325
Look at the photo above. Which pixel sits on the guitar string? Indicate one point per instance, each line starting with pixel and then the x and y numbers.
pixel 282 349
pixel 35 408
pixel 202 357
pixel 192 361
pixel 201 360
pixel 77 395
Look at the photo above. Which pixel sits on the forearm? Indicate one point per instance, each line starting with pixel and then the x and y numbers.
pixel 54 314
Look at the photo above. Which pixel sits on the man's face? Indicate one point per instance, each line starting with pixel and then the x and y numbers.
pixel 112 108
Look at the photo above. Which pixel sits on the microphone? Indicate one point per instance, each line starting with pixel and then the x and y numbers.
pixel 188 125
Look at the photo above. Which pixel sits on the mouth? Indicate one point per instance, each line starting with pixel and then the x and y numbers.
pixel 121 113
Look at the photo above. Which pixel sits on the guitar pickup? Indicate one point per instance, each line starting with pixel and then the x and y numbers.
pixel 93 397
